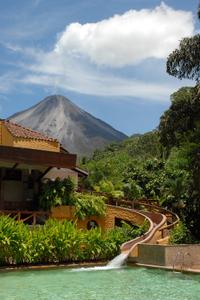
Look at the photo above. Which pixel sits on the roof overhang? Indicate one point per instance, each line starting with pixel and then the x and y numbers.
pixel 32 157
pixel 81 172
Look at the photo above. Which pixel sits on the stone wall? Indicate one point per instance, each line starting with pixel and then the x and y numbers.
pixel 151 254
pixel 172 256
pixel 183 256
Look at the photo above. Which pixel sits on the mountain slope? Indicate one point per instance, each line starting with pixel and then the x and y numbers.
pixel 136 160
pixel 78 131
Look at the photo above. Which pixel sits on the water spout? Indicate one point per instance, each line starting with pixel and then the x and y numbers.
pixel 118 261
pixel 115 263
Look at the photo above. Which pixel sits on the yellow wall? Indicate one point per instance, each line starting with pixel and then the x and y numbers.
pixel 7 139
pixel 106 223
pixel 36 144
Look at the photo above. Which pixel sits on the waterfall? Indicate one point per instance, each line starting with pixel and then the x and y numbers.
pixel 118 261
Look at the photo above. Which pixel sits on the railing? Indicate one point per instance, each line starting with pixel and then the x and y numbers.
pixel 29 217
pixel 178 260
pixel 150 204
pixel 172 218
pixel 187 260
pixel 140 204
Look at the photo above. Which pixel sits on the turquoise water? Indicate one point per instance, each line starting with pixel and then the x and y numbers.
pixel 116 284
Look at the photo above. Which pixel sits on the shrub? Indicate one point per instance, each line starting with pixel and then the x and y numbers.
pixel 180 234
pixel 57 242
pixel 14 241
pixel 132 190
pixel 89 205
pixel 58 192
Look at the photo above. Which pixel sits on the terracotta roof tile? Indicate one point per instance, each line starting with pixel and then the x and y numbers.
pixel 23 132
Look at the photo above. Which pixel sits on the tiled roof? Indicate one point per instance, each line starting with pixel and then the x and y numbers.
pixel 23 132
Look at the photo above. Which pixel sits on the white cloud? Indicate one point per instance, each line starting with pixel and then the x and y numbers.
pixel 74 62
pixel 111 87
pixel 129 38
pixel 78 79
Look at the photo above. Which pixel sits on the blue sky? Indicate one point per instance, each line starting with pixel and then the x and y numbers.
pixel 107 56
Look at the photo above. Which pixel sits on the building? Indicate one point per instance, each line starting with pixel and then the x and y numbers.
pixel 26 158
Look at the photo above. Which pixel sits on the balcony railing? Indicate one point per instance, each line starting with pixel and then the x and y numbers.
pixel 28 217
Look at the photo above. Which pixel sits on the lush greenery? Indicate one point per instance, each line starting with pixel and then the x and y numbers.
pixel 180 126
pixel 138 168
pixel 180 135
pixel 184 62
pixel 62 192
pixel 180 235
pixel 124 169
pixel 164 164
pixel 57 192
pixel 57 242
pixel 87 205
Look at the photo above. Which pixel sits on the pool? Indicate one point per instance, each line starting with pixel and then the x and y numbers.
pixel 93 284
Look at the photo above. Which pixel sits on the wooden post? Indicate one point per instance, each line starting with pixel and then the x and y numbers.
pixel 34 219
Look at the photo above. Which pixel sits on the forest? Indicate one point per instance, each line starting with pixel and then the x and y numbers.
pixel 163 164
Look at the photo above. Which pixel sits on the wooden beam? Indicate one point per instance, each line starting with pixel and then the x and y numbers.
pixel 44 173
pixel 81 173
pixel 37 157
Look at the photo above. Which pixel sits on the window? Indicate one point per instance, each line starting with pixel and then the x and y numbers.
pixel 12 174
pixel 92 224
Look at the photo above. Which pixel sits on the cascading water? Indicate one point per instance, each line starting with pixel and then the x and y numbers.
pixel 115 263
pixel 118 261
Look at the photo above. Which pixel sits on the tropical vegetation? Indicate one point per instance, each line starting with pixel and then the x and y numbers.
pixel 163 164
pixel 57 192
pixel 57 242
pixel 62 192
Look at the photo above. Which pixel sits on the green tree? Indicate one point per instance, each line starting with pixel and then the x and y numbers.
pixel 184 62
pixel 182 116
pixel 180 127
pixel 180 234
